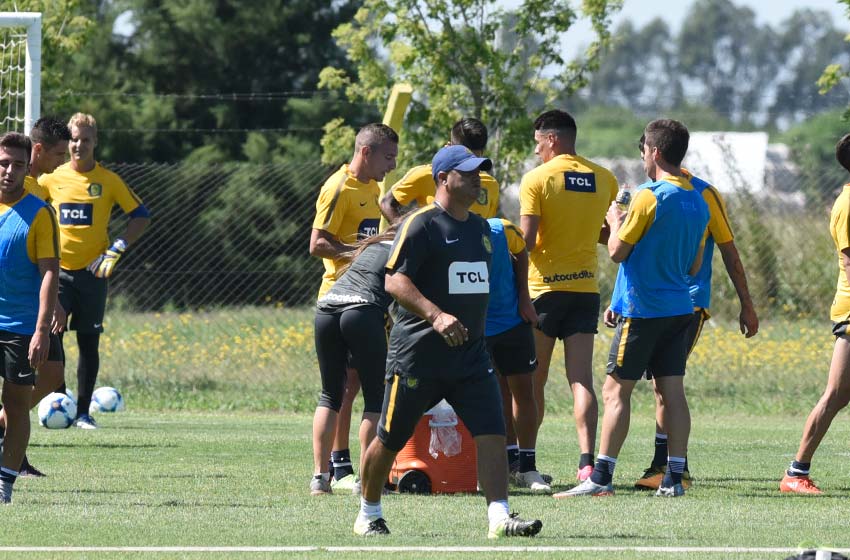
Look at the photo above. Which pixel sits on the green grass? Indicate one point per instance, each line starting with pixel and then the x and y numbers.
pixel 263 359
pixel 237 479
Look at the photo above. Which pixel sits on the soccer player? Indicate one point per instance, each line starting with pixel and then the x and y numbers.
pixel 438 273
pixel 83 193
pixel 29 268
pixel 351 328
pixel 562 214
pixel 659 242
pixel 510 343
pixel 49 137
pixel 837 393
pixel 719 232
pixel 347 210
pixel 417 186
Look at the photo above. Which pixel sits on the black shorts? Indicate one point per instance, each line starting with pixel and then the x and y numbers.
pixel 475 398
pixel 512 351
pixel 657 346
pixel 564 314
pixel 83 297
pixel 356 338
pixel 698 319
pixel 14 358
pixel 57 351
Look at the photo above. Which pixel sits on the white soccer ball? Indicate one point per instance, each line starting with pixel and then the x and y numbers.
pixel 57 411
pixel 106 399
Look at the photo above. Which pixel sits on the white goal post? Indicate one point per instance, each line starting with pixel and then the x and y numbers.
pixel 31 21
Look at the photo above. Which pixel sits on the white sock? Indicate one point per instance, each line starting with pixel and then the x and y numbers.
pixel 370 510
pixel 498 510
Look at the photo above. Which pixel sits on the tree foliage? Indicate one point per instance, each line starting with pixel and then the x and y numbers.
pixel 464 58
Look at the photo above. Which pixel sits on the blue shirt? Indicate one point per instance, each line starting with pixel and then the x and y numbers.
pixel 503 308
pixel 653 280
pixel 20 279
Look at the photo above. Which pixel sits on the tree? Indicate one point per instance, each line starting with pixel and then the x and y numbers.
pixel 835 73
pixel 464 58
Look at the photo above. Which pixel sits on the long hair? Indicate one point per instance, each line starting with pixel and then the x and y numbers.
pixel 349 256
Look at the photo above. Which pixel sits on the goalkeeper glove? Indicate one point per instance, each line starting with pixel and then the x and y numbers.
pixel 104 264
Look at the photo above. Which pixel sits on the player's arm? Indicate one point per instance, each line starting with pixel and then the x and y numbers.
pixel 516 245
pixel 104 265
pixel 529 225
pixel 390 207
pixel 747 319
pixel 697 264
pixel 405 292
pixel 324 245
pixel 629 226
pixel 46 253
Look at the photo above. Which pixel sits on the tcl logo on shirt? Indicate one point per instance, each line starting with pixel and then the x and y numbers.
pixel 580 182
pixel 469 278
pixel 75 214
pixel 368 227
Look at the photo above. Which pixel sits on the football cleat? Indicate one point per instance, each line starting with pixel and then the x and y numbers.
pixel 533 481
pixel 5 492
pixel 28 470
pixel 345 483
pixel 366 527
pixel 86 422
pixel 651 478
pixel 587 488
pixel 513 526
pixel 670 491
pixel 798 485
pixel 584 473
pixel 319 486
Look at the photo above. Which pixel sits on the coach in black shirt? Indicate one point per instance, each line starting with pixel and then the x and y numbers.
pixel 438 273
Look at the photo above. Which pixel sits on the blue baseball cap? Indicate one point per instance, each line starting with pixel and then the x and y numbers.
pixel 460 158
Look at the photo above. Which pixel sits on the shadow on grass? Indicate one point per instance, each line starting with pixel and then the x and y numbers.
pixel 101 445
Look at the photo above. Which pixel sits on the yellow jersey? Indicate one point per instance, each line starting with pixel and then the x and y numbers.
pixel 839 228
pixel 571 196
pixel 83 204
pixel 418 185
pixel 349 211
pixel 31 186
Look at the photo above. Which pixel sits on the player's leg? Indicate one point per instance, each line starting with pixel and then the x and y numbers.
pixel 364 331
pixel 331 352
pixel 578 357
pixel 477 402
pixel 87 320
pixel 404 403
pixel 508 411
pixel 627 359
pixel 343 471
pixel 834 398
pixel 667 366
pixel 548 327
pixel 51 376
pixel 512 352
pixel 18 378
pixel 652 476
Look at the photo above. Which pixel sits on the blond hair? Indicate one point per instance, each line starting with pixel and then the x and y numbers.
pixel 82 119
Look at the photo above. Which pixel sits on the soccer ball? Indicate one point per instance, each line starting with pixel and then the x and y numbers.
pixel 106 399
pixel 57 411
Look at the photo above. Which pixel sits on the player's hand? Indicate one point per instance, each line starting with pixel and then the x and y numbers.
pixel 451 329
pixel 615 215
pixel 60 319
pixel 39 345
pixel 610 318
pixel 103 265
pixel 528 312
pixel 749 321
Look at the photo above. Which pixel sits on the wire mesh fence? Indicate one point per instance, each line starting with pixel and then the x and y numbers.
pixel 213 307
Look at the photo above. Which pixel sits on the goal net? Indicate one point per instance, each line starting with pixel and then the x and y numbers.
pixel 20 70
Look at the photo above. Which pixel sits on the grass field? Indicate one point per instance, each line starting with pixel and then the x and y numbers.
pixel 263 359
pixel 237 479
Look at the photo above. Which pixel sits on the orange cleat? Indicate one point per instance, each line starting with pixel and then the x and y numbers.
pixel 798 485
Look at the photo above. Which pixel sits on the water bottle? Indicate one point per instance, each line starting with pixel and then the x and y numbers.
pixel 624 197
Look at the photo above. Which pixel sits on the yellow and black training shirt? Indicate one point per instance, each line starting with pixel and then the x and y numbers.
pixel 348 210
pixel 418 185
pixel 839 228
pixel 571 196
